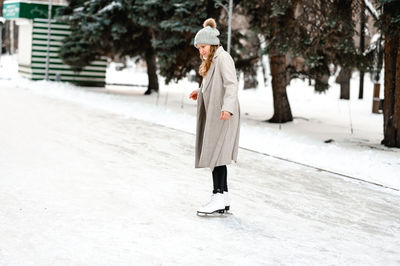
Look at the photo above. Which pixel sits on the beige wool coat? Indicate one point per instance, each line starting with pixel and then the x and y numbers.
pixel 217 140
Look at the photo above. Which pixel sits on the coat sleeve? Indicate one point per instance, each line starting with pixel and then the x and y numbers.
pixel 201 86
pixel 229 81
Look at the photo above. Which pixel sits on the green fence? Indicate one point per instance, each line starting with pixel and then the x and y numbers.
pixel 32 46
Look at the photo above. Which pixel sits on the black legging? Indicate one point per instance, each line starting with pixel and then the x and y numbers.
pixel 219 179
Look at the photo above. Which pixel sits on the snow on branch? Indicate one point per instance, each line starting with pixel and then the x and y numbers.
pixel 371 9
pixel 109 7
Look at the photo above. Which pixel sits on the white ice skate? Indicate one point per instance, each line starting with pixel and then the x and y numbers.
pixel 216 205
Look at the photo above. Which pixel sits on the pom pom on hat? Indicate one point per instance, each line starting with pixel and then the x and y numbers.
pixel 210 22
pixel 208 34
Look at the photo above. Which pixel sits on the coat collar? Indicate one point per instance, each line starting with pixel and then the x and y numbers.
pixel 210 72
pixel 218 52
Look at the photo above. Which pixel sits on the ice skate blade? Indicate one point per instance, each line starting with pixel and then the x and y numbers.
pixel 214 213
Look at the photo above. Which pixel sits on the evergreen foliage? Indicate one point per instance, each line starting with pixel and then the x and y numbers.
pixel 175 24
pixel 319 31
pixel 129 27
pixel 99 28
pixel 389 22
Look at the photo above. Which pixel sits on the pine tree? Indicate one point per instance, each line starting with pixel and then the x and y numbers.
pixel 328 28
pixel 151 29
pixel 175 24
pixel 320 32
pixel 275 21
pixel 107 28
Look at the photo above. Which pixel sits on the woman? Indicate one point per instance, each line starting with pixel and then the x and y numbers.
pixel 218 114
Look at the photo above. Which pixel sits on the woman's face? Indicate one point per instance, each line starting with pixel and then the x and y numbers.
pixel 204 50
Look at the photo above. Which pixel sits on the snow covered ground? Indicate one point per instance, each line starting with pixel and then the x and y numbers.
pixel 105 177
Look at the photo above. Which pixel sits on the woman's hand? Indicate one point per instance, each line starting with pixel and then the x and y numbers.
pixel 193 95
pixel 225 115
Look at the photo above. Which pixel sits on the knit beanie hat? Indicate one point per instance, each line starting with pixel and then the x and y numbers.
pixel 208 34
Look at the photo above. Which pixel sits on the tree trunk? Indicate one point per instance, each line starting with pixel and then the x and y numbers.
pixel 321 83
pixel 264 70
pixel 150 56
pixel 250 77
pixel 345 90
pixel 282 112
pixel 362 47
pixel 361 89
pixel 6 36
pixel 13 37
pixel 391 106
pixel 397 96
pixel 344 80
pixel 10 37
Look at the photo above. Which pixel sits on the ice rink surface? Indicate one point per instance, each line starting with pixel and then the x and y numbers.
pixel 80 186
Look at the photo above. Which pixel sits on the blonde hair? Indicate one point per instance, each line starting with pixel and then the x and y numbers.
pixel 206 63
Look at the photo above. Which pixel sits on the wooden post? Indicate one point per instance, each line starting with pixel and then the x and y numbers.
pixel 376 99
pixel 11 37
